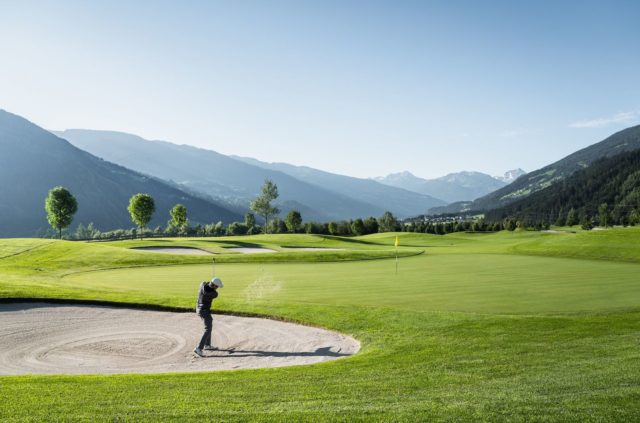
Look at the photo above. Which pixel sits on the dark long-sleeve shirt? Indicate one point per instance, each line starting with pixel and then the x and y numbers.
pixel 205 297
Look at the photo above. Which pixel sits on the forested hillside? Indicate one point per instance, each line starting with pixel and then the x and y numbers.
pixel 613 181
pixel 622 141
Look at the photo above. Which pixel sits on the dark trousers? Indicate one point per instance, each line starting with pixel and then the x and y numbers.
pixel 205 315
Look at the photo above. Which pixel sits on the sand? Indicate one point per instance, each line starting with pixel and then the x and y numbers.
pixel 174 250
pixel 314 249
pixel 248 250
pixel 39 338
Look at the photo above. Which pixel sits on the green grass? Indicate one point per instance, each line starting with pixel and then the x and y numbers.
pixel 508 326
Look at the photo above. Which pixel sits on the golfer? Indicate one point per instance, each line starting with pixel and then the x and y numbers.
pixel 208 291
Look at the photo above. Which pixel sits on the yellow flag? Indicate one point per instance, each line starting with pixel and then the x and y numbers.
pixel 397 242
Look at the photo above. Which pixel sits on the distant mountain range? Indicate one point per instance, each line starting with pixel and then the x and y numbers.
pixel 217 187
pixel 317 195
pixel 400 201
pixel 622 141
pixel 453 187
pixel 33 160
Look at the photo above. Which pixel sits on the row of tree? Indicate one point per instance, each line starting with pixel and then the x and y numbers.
pixel 61 206
pixel 292 223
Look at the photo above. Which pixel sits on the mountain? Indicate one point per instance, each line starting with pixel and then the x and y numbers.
pixel 400 201
pixel 612 180
pixel 622 141
pixel 452 187
pixel 219 176
pixel 32 161
pixel 511 175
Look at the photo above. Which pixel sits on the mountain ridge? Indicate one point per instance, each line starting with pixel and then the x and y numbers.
pixel 456 186
pixel 33 160
pixel 400 201
pixel 625 140
pixel 225 177
pixel 612 180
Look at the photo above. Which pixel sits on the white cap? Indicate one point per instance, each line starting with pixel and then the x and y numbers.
pixel 217 282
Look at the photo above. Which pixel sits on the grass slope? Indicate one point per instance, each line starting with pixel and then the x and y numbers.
pixel 481 327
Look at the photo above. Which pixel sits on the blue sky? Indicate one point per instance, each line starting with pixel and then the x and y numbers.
pixel 363 88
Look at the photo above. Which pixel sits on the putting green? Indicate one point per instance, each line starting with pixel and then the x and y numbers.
pixel 479 283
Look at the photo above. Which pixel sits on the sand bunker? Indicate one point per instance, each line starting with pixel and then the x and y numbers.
pixel 174 250
pixel 247 250
pixel 63 339
pixel 314 249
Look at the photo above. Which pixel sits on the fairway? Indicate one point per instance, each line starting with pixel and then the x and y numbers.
pixel 479 283
pixel 506 326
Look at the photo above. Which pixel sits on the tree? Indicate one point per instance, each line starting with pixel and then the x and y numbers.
pixel 262 204
pixel 250 220
pixel 388 222
pixel 293 221
pixel 371 225
pixel 585 222
pixel 572 217
pixel 344 228
pixel 277 226
pixel 88 232
pixel 357 227
pixel 603 214
pixel 141 208
pixel 178 216
pixel 217 229
pixel 237 228
pixel 60 206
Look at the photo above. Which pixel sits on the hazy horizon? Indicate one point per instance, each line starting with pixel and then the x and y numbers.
pixel 361 89
pixel 274 162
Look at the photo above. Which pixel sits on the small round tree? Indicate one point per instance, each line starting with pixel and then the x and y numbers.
pixel 60 206
pixel 293 221
pixel 141 208
pixel 179 217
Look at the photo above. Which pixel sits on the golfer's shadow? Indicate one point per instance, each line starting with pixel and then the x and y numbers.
pixel 319 352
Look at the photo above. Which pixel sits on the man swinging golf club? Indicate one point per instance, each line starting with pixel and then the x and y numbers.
pixel 208 291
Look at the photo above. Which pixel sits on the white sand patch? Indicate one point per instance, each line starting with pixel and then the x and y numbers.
pixel 38 338
pixel 174 250
pixel 252 250
pixel 314 249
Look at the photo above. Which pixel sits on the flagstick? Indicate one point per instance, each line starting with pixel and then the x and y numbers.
pixel 396 260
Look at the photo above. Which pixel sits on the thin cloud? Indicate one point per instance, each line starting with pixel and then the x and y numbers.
pixel 509 133
pixel 512 133
pixel 626 118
